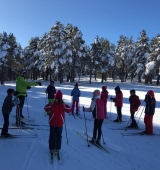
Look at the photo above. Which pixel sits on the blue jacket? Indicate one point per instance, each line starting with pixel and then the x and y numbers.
pixel 150 106
pixel 76 94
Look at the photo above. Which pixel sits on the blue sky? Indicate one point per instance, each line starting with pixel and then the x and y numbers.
pixel 105 18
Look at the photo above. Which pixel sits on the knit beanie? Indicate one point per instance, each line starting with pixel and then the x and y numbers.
pixel 76 85
pixel 58 95
pixel 96 93
pixel 117 88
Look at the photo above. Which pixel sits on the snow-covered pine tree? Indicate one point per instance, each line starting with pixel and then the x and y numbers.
pixel 153 61
pixel 95 50
pixel 141 53
pixel 105 58
pixel 124 56
pixel 10 56
pixel 78 49
pixel 31 55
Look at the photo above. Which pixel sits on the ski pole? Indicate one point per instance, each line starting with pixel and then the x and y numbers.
pixel 110 109
pixel 139 109
pixel 103 139
pixel 127 124
pixel 86 129
pixel 27 106
pixel 134 116
pixel 66 131
pixel 140 115
pixel 46 99
pixel 19 117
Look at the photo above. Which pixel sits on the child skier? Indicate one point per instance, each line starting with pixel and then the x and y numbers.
pixel 6 109
pixel 75 99
pixel 97 109
pixel 149 112
pixel 104 97
pixel 51 91
pixel 134 104
pixel 56 120
pixel 118 103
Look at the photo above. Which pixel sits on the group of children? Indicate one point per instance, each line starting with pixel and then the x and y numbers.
pixel 56 109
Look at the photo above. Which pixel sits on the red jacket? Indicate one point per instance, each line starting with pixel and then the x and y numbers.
pixel 119 99
pixel 56 116
pixel 134 103
pixel 97 108
pixel 104 96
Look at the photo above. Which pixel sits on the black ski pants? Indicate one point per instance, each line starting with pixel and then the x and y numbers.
pixel 20 107
pixel 119 112
pixel 132 114
pixel 97 126
pixel 55 138
pixel 5 125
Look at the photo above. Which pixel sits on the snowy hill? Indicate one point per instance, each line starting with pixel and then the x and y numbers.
pixel 126 152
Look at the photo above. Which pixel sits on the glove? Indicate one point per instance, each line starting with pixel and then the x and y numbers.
pixel 39 83
pixel 28 87
pixel 16 101
pixel 111 98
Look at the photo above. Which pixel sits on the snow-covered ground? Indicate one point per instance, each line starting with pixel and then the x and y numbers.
pixel 126 152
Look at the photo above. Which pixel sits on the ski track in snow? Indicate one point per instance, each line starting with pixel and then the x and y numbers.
pixel 126 152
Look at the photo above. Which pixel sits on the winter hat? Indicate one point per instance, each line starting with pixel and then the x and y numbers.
pixel 96 93
pixel 104 87
pixel 52 82
pixel 9 91
pixel 132 91
pixel 59 95
pixel 117 88
pixel 151 93
pixel 76 85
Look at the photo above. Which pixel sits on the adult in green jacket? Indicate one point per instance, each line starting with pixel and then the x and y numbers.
pixel 21 89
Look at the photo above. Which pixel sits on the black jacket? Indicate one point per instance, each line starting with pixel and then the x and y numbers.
pixel 51 91
pixel 150 106
pixel 7 105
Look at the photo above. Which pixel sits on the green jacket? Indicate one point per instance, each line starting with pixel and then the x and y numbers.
pixel 21 85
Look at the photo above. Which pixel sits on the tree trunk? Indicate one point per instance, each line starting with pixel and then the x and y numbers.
pixel 102 77
pixel 50 74
pixel 90 76
pixel 10 73
pixel 43 75
pixel 95 75
pixel 46 77
pixel 2 74
pixel 132 76
pixel 158 74
pixel 34 74
pixel 158 77
pixel 68 77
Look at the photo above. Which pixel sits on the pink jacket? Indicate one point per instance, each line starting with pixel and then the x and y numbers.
pixel 97 108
